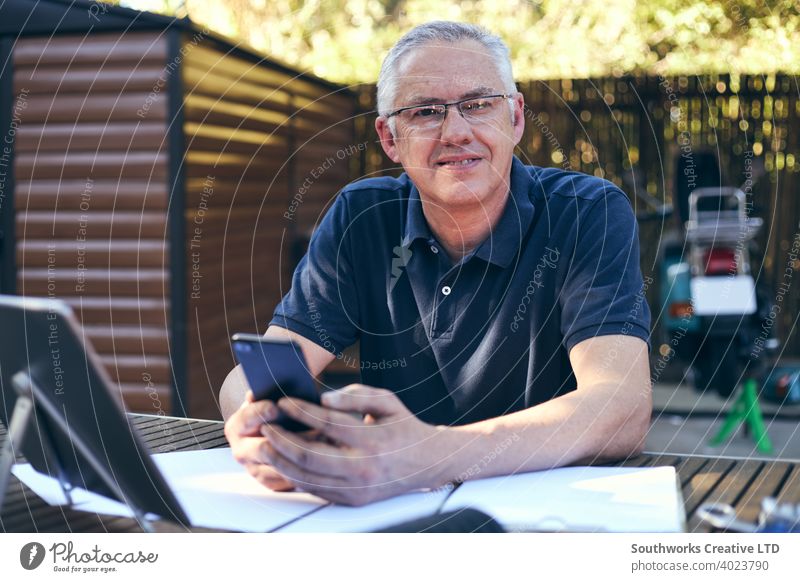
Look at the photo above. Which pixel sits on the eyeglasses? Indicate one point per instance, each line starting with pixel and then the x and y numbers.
pixel 430 117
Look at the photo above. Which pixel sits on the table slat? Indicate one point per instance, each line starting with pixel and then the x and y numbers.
pixel 638 461
pixel 662 460
pixel 728 490
pixel 688 468
pixel 765 485
pixel 790 491
pixel 702 484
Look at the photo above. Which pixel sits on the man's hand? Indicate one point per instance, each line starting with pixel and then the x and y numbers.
pixel 382 451
pixel 242 430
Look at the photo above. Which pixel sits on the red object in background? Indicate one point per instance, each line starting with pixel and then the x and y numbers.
pixel 680 309
pixel 782 385
pixel 720 261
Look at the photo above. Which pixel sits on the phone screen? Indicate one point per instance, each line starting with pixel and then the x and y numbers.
pixel 275 368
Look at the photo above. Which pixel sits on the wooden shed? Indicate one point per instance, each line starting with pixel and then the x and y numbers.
pixel 160 179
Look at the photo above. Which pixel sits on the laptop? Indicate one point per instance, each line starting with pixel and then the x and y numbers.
pixel 78 431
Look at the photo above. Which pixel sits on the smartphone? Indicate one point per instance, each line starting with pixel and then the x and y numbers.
pixel 274 368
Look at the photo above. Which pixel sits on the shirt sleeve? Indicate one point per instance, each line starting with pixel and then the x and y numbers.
pixel 322 305
pixel 603 292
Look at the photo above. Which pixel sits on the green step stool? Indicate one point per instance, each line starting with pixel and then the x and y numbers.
pixel 746 410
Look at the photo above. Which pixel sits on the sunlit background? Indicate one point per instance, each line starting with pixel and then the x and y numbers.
pixel 345 40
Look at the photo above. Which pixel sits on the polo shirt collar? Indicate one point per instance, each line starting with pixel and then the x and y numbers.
pixel 504 242
pixel 416 225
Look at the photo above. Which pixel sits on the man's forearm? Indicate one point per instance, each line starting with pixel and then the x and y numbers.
pixel 232 392
pixel 579 426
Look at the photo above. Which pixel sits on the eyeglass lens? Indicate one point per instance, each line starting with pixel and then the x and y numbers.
pixel 476 110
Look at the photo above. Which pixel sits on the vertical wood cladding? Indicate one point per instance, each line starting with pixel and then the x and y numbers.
pixel 91 196
pixel 266 152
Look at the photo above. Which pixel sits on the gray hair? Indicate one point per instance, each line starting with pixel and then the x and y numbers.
pixel 440 31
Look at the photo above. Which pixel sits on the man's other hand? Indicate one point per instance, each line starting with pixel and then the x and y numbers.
pixel 367 446
pixel 243 431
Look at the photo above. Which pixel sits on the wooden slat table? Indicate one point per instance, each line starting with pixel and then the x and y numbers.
pixel 739 482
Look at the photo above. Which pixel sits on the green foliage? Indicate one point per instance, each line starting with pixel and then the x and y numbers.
pixel 345 40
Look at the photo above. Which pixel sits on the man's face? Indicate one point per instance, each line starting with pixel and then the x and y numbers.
pixel 434 158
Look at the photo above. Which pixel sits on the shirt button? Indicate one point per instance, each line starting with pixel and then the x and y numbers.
pixel 446 290
pixel 434 250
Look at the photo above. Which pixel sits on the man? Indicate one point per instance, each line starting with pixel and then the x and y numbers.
pixel 498 306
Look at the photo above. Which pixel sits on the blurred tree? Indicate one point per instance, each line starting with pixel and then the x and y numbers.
pixel 345 40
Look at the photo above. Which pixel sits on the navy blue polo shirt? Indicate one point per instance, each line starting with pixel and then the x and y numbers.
pixel 490 334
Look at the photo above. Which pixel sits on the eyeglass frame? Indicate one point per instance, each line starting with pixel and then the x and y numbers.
pixel 447 105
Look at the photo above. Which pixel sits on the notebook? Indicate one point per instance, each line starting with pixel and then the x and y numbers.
pixel 217 492
pixel 587 499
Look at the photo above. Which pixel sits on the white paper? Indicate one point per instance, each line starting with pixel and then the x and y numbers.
pixel 49 489
pixel 614 499
pixel 214 490
pixel 378 515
